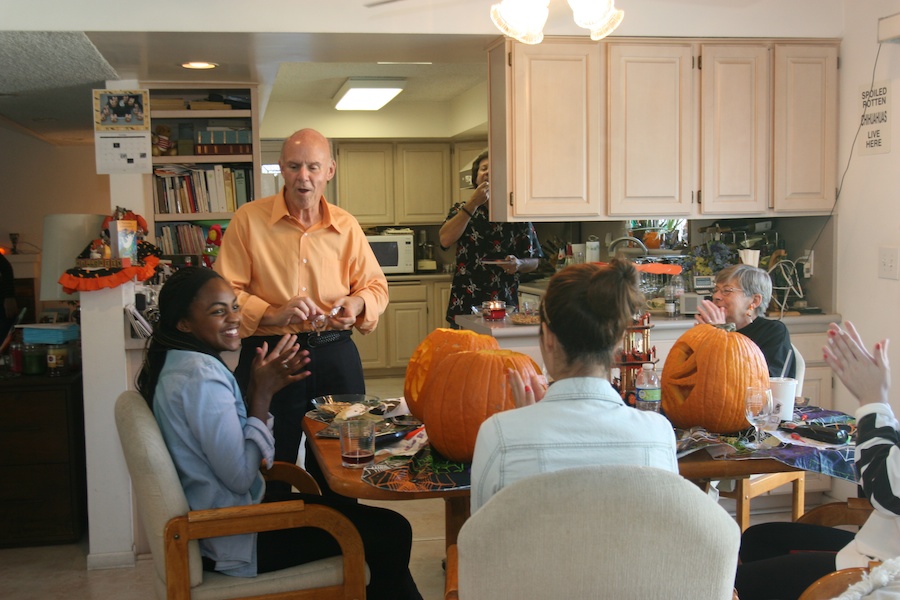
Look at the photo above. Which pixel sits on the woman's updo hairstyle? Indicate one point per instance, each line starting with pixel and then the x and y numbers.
pixel 588 306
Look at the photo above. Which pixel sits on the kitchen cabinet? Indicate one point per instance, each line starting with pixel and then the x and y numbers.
pixel 735 92
pixel 42 460
pixel 401 328
pixel 651 129
pixel 547 125
pixel 394 183
pixel 422 177
pixel 805 128
pixel 365 181
pixel 440 300
pixel 754 133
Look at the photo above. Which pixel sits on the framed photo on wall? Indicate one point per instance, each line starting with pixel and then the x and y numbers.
pixel 121 110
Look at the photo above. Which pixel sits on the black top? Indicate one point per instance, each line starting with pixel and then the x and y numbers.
pixel 483 239
pixel 773 339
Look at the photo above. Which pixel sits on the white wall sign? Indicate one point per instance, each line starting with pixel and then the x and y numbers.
pixel 875 132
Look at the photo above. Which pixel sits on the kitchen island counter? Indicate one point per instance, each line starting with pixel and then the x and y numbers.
pixel 665 331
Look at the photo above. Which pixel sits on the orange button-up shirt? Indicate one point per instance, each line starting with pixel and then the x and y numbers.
pixel 268 257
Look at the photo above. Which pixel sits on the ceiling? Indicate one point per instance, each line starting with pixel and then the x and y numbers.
pixel 45 89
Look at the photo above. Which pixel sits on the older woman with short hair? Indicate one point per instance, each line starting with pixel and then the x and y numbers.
pixel 741 296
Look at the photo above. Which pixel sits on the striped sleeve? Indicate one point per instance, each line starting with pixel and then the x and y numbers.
pixel 878 456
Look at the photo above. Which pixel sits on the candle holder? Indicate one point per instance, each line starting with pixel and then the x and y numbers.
pixel 493 310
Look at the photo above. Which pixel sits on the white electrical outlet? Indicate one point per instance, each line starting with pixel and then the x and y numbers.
pixel 888 263
pixel 808 263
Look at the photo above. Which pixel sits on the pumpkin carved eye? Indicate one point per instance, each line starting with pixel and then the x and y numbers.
pixel 704 379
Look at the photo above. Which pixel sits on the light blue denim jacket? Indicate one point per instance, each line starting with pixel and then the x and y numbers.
pixel 216 448
pixel 581 421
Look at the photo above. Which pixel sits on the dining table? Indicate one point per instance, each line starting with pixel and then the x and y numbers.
pixel 699 467
pixel 348 482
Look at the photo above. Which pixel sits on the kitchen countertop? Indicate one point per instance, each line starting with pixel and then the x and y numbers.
pixel 507 329
pixel 421 277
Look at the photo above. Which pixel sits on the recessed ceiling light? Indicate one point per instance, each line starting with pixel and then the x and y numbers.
pixel 199 64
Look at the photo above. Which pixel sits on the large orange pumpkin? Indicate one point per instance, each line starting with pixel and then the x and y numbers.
pixel 439 343
pixel 705 378
pixel 463 391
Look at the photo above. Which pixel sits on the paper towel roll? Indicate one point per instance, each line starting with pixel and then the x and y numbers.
pixel 592 250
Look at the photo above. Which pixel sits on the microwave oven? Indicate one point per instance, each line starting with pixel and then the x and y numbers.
pixel 395 252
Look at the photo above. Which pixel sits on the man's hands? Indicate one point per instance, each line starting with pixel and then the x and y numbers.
pixel 300 309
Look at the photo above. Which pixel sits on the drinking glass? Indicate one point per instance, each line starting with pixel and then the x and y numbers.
pixel 758 409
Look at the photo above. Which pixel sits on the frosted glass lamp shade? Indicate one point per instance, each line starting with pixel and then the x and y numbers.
pixel 604 29
pixel 590 13
pixel 521 19
pixel 65 236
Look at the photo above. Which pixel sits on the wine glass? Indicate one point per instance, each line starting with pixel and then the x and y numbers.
pixel 758 408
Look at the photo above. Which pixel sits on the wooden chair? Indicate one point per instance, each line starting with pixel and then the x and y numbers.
pixel 173 529
pixel 746 489
pixel 591 532
pixel 853 512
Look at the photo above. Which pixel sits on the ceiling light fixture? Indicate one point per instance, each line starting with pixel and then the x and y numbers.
pixel 361 93
pixel 199 64
pixel 524 19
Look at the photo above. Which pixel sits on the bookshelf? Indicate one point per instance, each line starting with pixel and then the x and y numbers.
pixel 216 166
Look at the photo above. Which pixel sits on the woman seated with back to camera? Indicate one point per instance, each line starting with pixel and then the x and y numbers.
pixel 741 296
pixel 581 419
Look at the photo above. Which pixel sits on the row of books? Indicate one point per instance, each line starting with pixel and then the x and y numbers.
pixel 201 189
pixel 181 238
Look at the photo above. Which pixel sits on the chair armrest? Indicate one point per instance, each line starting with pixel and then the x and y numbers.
pixel 855 511
pixel 292 474
pixel 833 584
pixel 201 524
pixel 451 584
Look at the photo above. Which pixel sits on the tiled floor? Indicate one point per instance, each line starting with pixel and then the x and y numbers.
pixel 59 572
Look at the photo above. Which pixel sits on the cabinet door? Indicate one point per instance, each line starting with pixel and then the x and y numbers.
pixel 422 182
pixel 365 176
pixel 547 159
pixel 650 129
pixel 440 301
pixel 373 347
pixel 735 129
pixel 805 117
pixel 408 327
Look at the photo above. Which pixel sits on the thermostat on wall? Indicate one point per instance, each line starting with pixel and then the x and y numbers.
pixel 704 282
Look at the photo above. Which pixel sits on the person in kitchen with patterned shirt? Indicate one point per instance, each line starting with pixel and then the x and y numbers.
pixel 479 239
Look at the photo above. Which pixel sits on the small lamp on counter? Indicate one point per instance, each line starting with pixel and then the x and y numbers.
pixel 65 236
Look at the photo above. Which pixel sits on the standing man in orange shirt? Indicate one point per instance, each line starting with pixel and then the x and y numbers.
pixel 291 258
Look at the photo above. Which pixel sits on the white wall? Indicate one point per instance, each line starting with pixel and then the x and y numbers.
pixel 869 206
pixel 38 179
